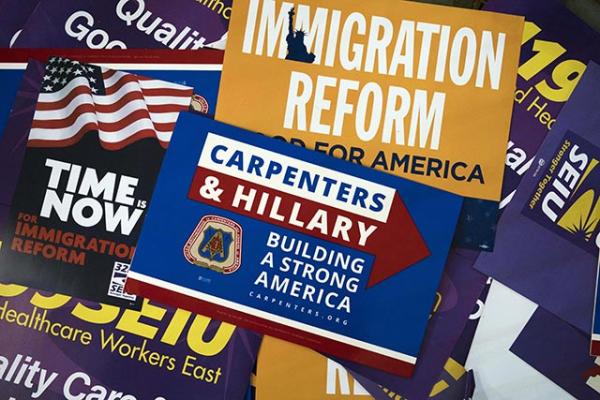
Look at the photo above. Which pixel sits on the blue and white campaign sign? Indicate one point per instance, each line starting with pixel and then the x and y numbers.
pixel 295 244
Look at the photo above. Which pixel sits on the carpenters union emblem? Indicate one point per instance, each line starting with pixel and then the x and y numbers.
pixel 215 243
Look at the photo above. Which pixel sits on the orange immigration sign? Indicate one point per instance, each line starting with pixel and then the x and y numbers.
pixel 417 90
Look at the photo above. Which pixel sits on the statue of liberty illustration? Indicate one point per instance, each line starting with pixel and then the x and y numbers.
pixel 297 50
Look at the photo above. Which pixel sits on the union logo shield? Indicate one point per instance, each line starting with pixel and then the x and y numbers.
pixel 215 243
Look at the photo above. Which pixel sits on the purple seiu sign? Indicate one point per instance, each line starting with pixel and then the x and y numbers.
pixel 176 25
pixel 556 49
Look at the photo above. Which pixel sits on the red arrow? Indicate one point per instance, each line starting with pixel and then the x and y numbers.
pixel 396 244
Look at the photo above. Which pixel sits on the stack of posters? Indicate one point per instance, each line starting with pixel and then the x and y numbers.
pixel 546 244
pixel 546 241
pixel 346 187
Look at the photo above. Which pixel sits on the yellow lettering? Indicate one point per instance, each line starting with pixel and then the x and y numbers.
pixel 566 75
pixel 216 344
pixel 173 331
pixel 11 290
pixel 49 302
pixel 530 29
pixel 130 320
pixel 104 315
pixel 546 53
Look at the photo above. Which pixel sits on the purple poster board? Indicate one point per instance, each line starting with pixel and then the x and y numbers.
pixel 460 287
pixel 13 15
pixel 557 46
pixel 560 352
pixel 152 24
pixel 545 246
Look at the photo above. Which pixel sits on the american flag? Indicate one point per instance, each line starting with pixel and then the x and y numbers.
pixel 78 98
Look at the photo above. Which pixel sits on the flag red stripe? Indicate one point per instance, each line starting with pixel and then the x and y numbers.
pixel 108 73
pixel 122 102
pixel 168 92
pixel 124 122
pixel 122 81
pixel 56 105
pixel 104 126
pixel 164 108
pixel 164 127
pixel 139 135
pixel 63 122
pixel 65 142
pixel 130 78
